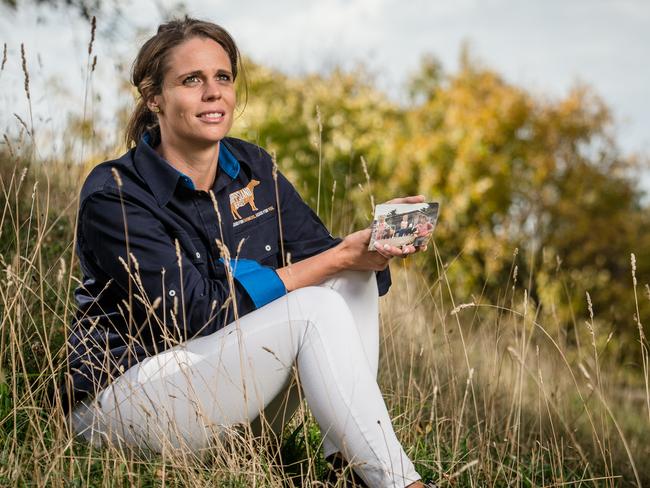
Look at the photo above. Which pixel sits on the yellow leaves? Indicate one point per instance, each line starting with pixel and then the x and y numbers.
pixel 511 169
pixel 482 186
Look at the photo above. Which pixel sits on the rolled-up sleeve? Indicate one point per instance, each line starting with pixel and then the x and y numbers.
pixel 262 283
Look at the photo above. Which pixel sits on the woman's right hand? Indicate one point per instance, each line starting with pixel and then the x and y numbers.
pixel 354 253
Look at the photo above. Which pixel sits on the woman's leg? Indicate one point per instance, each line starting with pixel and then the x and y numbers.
pixel 359 290
pixel 188 394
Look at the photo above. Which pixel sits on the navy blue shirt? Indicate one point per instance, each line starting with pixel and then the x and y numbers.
pixel 154 251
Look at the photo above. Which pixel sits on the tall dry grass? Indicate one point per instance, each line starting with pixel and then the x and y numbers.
pixel 481 393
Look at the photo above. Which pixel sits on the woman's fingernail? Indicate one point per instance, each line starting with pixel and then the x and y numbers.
pixel 386 246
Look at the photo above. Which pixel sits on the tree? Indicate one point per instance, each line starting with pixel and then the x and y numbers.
pixel 544 177
pixel 86 8
pixel 515 175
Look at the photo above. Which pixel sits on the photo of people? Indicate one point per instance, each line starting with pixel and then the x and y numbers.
pixel 403 224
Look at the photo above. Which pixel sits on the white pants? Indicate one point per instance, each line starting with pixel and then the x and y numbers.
pixel 186 395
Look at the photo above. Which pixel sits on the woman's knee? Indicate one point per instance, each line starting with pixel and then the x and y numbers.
pixel 314 300
pixel 355 285
pixel 351 278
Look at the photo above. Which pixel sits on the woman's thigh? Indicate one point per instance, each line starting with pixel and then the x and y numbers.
pixel 359 290
pixel 186 395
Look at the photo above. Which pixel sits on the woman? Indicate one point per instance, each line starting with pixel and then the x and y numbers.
pixel 189 318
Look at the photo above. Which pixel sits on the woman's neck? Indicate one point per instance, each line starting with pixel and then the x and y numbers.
pixel 200 164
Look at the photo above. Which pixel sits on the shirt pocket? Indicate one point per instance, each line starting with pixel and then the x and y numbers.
pixel 258 242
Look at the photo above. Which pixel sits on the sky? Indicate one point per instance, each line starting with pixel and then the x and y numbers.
pixel 545 46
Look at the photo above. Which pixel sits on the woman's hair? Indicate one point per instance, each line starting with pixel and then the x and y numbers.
pixel 150 66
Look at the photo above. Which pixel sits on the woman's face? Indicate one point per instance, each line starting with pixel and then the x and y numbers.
pixel 198 95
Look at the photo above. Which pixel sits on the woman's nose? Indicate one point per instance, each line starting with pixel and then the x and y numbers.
pixel 212 91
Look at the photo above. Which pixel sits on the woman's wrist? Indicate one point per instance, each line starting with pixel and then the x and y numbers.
pixel 340 257
pixel 315 269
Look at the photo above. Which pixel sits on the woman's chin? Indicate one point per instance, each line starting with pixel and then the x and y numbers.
pixel 212 136
pixel 206 140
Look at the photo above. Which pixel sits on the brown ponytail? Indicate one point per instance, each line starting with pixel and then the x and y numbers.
pixel 142 119
pixel 149 67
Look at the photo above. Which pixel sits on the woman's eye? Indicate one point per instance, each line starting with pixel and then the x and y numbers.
pixel 223 77
pixel 191 79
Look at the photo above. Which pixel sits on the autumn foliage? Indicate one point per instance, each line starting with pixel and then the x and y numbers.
pixel 524 181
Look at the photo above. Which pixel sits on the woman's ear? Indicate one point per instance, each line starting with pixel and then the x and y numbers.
pixel 154 104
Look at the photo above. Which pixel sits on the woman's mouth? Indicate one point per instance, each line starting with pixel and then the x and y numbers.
pixel 211 116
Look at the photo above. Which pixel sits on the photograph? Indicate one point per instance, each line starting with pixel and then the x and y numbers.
pixel 403 224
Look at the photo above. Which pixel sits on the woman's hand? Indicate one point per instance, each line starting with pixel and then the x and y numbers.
pixel 412 199
pixel 351 253
pixel 354 248
pixel 354 253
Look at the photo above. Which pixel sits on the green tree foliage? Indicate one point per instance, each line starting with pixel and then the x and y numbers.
pixel 335 120
pixel 542 176
pixel 512 171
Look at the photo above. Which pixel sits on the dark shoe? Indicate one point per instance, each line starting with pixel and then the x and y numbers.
pixel 339 469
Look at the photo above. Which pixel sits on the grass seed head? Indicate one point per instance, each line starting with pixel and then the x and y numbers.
pixel 93 28
pixel 4 57
pixel 23 58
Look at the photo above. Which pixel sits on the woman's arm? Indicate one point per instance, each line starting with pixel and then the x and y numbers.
pixel 145 267
pixel 352 253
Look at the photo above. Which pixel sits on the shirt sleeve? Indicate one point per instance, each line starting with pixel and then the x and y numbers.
pixel 305 235
pixel 262 283
pixel 133 248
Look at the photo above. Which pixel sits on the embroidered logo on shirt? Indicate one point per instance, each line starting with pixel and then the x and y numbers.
pixel 243 197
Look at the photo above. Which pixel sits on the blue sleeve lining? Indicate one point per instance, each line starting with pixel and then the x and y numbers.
pixel 262 283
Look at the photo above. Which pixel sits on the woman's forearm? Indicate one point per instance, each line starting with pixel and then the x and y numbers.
pixel 351 253
pixel 313 270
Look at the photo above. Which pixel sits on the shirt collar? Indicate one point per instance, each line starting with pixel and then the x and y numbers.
pixel 162 178
pixel 227 161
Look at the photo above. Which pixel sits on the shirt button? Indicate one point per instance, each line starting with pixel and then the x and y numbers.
pixel 198 255
pixel 172 293
pixel 267 247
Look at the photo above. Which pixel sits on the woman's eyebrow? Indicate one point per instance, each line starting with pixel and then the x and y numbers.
pixel 199 72
pixel 190 73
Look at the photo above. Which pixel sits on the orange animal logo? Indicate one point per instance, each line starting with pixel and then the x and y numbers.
pixel 243 197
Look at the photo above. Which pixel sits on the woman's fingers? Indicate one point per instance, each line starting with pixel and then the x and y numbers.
pixel 392 251
pixel 389 251
pixel 410 249
pixel 411 199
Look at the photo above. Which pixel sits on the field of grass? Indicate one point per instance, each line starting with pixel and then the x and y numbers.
pixel 481 394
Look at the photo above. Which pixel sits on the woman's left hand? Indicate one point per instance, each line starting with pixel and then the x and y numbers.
pixel 411 199
pixel 391 251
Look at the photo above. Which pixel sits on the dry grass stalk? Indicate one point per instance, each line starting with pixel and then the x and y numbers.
pixel 4 57
pixel 491 398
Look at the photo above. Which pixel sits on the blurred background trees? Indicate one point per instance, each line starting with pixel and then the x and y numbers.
pixel 523 181
pixel 516 174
